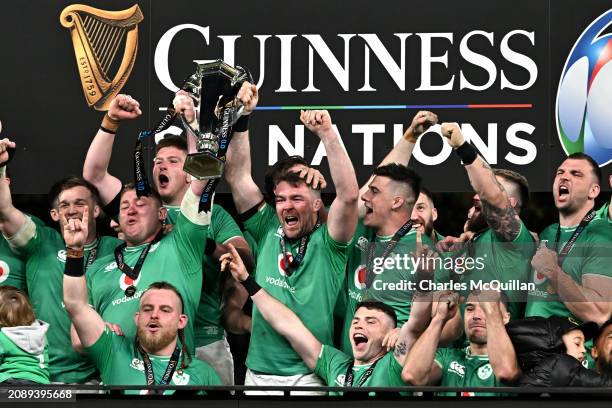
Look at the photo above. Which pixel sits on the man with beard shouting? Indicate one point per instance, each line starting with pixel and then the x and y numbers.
pixel 572 271
pixel 160 355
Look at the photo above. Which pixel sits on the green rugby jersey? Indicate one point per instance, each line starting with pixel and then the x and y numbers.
pixel 24 353
pixel 208 326
pixel 12 267
pixel 591 254
pixel 332 366
pixel 310 291
pixel 398 298
pixel 121 364
pixel 176 258
pixel 496 260
pixel 462 369
pixel 45 257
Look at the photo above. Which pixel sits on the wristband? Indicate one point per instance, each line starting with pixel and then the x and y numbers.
pixel 242 124
pixel 74 266
pixel 74 253
pixel 467 153
pixel 109 125
pixel 210 247
pixel 251 286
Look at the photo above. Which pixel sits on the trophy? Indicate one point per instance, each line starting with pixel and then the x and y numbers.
pixel 213 87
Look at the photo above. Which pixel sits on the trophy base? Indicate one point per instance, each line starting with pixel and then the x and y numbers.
pixel 203 166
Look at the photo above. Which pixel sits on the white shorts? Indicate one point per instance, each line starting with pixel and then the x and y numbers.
pixel 299 380
pixel 219 356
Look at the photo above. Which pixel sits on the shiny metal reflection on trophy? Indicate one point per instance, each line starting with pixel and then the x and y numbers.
pixel 213 87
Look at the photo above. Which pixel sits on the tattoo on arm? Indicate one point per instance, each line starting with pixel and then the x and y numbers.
pixel 400 349
pixel 505 222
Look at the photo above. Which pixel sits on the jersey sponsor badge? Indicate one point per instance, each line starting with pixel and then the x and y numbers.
pixel 180 379
pixel 456 368
pixel 125 281
pixel 110 267
pixel 282 262
pixel 362 243
pixel 340 379
pixel 136 364
pixel 61 255
pixel 4 271
pixel 359 277
pixel 485 371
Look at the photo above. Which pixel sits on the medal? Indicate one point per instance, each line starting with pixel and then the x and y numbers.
pixel 130 291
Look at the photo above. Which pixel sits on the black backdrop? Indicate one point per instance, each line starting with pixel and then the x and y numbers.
pixel 42 106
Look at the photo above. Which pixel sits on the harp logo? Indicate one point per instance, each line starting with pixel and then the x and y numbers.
pixel 583 97
pixel 98 37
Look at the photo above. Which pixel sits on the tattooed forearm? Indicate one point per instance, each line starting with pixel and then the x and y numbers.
pixel 400 349
pixel 505 222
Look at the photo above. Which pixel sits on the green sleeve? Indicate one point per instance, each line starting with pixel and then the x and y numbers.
pixel 330 363
pixel 339 252
pixel 441 358
pixel 101 352
pixel 222 225
pixel 190 240
pixel 395 371
pixel 260 223
pixel 33 245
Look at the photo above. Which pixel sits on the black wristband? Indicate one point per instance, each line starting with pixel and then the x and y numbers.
pixel 210 247
pixel 242 124
pixel 102 128
pixel 251 286
pixel 467 153
pixel 74 267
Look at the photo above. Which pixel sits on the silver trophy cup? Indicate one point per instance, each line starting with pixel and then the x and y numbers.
pixel 213 87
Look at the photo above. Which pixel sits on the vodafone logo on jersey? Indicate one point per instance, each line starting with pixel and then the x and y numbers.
pixel 538 278
pixel 4 271
pixel 125 281
pixel 359 277
pixel 283 262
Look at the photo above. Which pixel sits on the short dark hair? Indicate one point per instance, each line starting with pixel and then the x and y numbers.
pixel 278 170
pixel 167 286
pixel 68 183
pixel 131 186
pixel 186 355
pixel 589 159
pixel 519 180
pixel 172 141
pixel 425 191
pixel 401 174
pixel 377 305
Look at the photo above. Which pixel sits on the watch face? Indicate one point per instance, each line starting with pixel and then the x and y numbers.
pixel 130 290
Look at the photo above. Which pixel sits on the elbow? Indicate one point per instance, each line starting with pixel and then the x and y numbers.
pixel 93 175
pixel 510 375
pixel 409 377
pixel 600 313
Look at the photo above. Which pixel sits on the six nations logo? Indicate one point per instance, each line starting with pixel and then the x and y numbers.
pixel 584 97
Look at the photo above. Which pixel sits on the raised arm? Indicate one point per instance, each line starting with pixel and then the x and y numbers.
pixel 499 346
pixel 402 151
pixel 496 204
pixel 87 322
pixel 95 168
pixel 245 192
pixel 279 316
pixel 11 219
pixel 420 367
pixel 342 217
